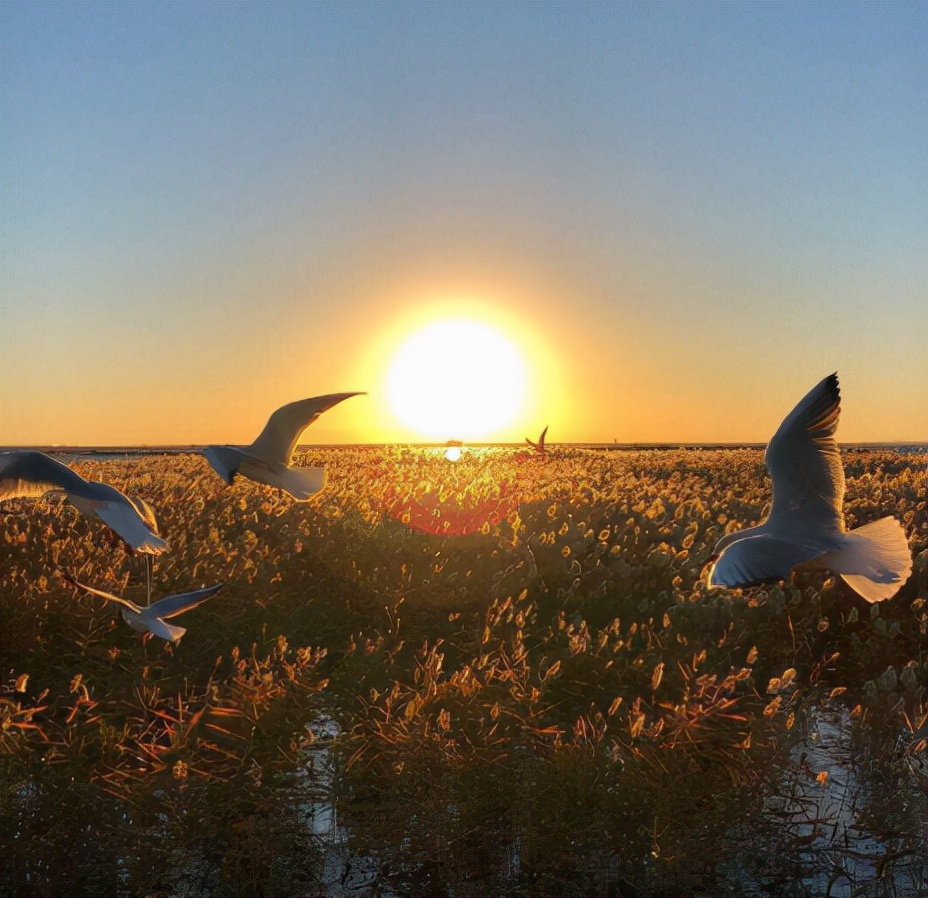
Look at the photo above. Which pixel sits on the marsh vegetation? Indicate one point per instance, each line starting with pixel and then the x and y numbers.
pixel 500 676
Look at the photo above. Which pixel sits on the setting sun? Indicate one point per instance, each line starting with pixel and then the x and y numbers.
pixel 457 378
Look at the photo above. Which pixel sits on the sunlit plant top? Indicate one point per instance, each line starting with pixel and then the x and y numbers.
pixel 493 639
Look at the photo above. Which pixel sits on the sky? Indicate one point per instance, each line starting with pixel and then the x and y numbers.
pixel 681 216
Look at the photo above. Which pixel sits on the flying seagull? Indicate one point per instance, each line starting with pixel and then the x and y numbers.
pixel 806 522
pixel 153 619
pixel 32 473
pixel 539 447
pixel 267 459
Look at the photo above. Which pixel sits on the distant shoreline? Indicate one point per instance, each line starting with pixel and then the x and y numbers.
pixel 909 446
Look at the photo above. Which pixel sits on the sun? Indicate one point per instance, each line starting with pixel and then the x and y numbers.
pixel 457 379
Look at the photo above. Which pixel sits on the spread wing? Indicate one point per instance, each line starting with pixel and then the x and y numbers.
pixel 171 606
pixel 756 559
pixel 225 460
pixel 805 463
pixel 121 514
pixel 540 445
pixel 31 473
pixel 67 578
pixel 282 431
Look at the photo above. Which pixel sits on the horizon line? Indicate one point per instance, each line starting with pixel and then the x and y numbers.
pixel 650 444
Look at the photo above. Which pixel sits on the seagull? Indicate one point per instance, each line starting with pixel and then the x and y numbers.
pixel 539 447
pixel 806 522
pixel 267 459
pixel 30 473
pixel 153 618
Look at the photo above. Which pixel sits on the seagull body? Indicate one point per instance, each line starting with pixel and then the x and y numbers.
pixel 806 521
pixel 30 473
pixel 153 619
pixel 539 446
pixel 267 459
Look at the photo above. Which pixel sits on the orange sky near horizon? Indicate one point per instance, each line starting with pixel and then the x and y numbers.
pixel 643 381
pixel 585 390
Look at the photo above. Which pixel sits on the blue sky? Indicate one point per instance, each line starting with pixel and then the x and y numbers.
pixel 687 213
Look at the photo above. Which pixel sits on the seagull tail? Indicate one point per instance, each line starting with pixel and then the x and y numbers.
pixel 155 625
pixel 301 483
pixel 875 560
pixel 170 632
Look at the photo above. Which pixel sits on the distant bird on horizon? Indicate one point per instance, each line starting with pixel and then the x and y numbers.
pixel 806 522
pixel 539 446
pixel 267 459
pixel 153 619
pixel 29 473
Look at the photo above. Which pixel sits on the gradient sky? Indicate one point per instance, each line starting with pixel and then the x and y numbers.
pixel 684 215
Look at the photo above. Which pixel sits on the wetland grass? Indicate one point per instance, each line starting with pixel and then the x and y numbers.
pixel 524 685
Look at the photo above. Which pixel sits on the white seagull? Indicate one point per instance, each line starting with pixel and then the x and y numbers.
pixel 31 473
pixel 267 459
pixel 153 619
pixel 806 522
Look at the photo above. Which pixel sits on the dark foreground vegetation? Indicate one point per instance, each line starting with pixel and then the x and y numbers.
pixel 502 676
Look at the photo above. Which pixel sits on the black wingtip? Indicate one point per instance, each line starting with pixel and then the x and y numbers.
pixel 834 387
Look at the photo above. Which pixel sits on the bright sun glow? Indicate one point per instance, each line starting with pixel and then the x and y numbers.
pixel 457 379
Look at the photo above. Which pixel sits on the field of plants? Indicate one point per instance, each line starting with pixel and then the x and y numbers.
pixel 502 676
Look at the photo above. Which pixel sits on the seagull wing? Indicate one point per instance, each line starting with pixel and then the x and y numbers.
pixel 123 515
pixel 805 463
pixel 171 606
pixel 756 559
pixel 99 592
pixel 225 460
pixel 31 473
pixel 279 437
